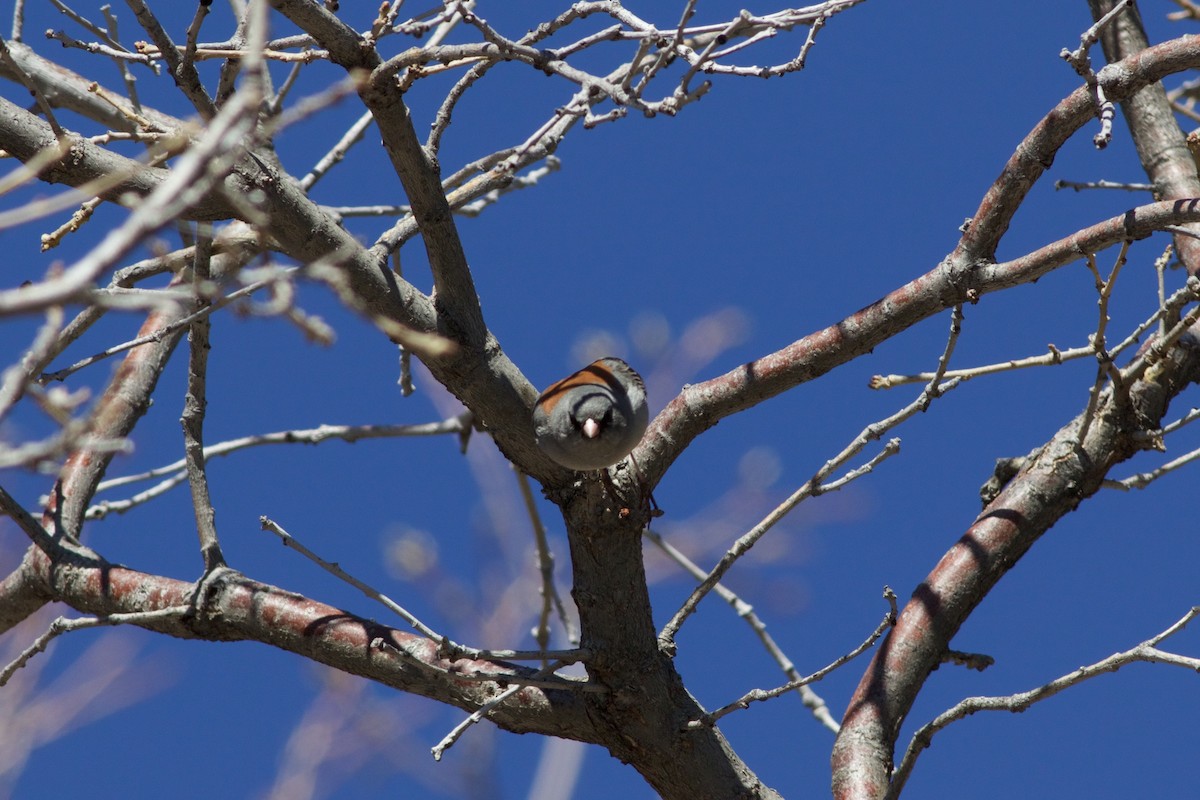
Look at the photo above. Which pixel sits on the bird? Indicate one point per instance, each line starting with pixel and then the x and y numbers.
pixel 593 418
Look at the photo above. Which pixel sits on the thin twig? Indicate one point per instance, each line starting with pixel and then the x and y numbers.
pixel 1143 479
pixel 117 54
pixel 202 311
pixel 405 380
pixel 458 671
pixel 130 81
pixel 1079 186
pixel 352 136
pixel 347 433
pixel 33 88
pixel 1160 270
pixel 1105 367
pixel 193 35
pixel 183 71
pixel 551 599
pixel 932 387
pixel 456 733
pixel 62 625
pixel 86 24
pixel 78 219
pixel 1186 419
pixel 18 25
pixel 1081 61
pixel 16 379
pixel 195 403
pixel 274 105
pixel 335 570
pixel 47 542
pixel 1053 358
pixel 310 436
pixel 49 452
pixel 1161 346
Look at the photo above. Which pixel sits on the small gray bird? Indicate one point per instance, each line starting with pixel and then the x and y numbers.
pixel 593 418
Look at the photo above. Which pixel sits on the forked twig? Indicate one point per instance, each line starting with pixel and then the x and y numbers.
pixel 758 695
pixel 808 697
pixel 1146 651
pixel 819 483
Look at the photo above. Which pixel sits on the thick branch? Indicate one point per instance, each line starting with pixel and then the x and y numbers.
pixel 479 373
pixel 700 406
pixel 236 608
pixel 122 180
pixel 124 402
pixel 460 315
pixel 1034 155
pixel 1052 483
pixel 63 88
pixel 481 376
pixel 1160 143
pixel 964 275
pixel 644 717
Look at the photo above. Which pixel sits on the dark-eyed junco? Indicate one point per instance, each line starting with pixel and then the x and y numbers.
pixel 594 418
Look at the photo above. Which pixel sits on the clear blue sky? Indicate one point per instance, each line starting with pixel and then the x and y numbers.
pixel 781 206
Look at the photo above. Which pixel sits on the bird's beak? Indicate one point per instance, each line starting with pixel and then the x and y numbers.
pixel 591 429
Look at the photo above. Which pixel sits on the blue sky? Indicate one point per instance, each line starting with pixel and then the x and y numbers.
pixel 770 209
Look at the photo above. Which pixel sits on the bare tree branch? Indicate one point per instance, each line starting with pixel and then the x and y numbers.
pixel 1147 651
pixel 1051 483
